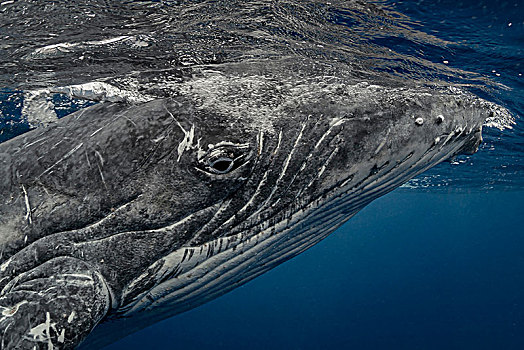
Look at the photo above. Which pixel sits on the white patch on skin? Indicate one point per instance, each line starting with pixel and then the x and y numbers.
pixel 28 216
pixel 3 267
pixel 71 316
pixel 277 148
pixel 260 142
pixel 187 142
pixel 61 336
pixel 383 142
pixel 42 332
pixel 10 311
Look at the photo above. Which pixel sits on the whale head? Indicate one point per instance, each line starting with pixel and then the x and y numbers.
pixel 176 201
pixel 254 178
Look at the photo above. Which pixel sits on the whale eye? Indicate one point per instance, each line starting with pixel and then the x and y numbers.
pixel 224 159
pixel 222 165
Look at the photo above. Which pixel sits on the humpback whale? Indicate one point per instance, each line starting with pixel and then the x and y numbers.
pixel 120 215
pixel 136 213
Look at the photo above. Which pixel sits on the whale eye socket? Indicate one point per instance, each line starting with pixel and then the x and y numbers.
pixel 222 165
pixel 224 159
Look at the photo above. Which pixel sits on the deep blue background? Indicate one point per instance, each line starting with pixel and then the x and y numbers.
pixel 413 270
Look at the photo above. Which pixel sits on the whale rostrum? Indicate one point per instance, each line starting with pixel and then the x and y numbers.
pixel 121 215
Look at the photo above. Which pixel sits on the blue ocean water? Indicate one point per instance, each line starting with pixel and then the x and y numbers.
pixel 436 265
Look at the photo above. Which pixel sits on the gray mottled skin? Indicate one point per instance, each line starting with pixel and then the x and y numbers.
pixel 95 208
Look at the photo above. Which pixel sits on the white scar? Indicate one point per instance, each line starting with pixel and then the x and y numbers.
pixel 27 207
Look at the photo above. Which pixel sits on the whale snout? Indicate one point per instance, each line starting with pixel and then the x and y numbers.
pixel 442 120
pixel 392 136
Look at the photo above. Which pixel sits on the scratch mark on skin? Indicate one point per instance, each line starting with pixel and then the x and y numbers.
pixel 260 142
pixel 337 122
pixel 68 154
pixel 187 142
pixel 158 139
pixel 96 131
pixel 383 142
pixel 261 184
pixel 284 168
pixel 100 164
pixel 102 176
pixel 56 144
pixel 323 168
pixel 277 148
pixel 37 141
pixel 28 215
pixel 132 122
pixel 76 275
pixel 87 157
pixel 100 157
